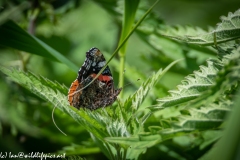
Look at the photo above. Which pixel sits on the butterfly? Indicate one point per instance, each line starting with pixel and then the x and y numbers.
pixel 101 92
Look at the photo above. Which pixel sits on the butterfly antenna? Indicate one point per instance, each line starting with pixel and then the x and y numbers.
pixel 127 83
pixel 55 122
pixel 130 83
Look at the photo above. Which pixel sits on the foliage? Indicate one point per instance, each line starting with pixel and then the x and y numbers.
pixel 227 30
pixel 156 120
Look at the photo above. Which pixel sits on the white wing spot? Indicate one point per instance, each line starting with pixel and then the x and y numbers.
pixel 101 64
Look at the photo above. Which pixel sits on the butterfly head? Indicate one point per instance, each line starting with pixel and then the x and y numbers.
pixel 95 55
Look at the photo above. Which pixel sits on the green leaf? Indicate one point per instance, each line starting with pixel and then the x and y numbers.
pixel 15 37
pixel 75 149
pixel 134 101
pixel 210 137
pixel 96 122
pixel 57 96
pixel 230 137
pixel 135 145
pixel 207 117
pixel 208 110
pixel 137 142
pixel 191 88
pixel 227 30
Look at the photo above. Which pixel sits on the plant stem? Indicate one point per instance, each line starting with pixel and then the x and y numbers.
pixel 121 71
pixel 130 9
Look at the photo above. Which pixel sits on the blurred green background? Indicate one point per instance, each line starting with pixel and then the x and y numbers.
pixel 72 27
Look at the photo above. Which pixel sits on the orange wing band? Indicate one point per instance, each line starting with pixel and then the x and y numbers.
pixel 72 89
pixel 102 78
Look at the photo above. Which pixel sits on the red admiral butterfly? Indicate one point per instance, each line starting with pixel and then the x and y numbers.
pixel 101 92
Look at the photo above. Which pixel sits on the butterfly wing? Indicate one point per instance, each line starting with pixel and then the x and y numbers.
pixel 98 94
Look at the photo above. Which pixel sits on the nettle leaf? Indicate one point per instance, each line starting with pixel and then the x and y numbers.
pixel 134 101
pixel 57 96
pixel 75 149
pixel 207 117
pixel 209 137
pixel 135 145
pixel 204 81
pixel 208 109
pixel 133 115
pixel 191 87
pixel 126 130
pixel 38 85
pixel 227 30
pixel 180 30
pixel 101 123
pixel 136 142
pixel 230 136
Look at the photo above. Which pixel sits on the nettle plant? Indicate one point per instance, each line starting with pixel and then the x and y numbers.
pixel 127 129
